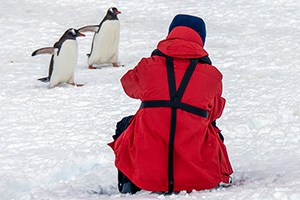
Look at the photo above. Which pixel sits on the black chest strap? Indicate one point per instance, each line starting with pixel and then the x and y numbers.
pixel 176 96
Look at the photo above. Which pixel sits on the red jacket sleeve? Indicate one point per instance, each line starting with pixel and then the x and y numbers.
pixel 219 104
pixel 130 83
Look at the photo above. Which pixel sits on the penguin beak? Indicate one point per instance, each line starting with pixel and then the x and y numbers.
pixel 118 12
pixel 81 35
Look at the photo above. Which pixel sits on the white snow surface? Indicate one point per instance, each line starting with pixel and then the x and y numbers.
pixel 53 142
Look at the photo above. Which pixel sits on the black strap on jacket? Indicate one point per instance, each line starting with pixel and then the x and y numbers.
pixel 175 103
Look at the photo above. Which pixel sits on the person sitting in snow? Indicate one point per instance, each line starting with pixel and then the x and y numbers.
pixel 172 143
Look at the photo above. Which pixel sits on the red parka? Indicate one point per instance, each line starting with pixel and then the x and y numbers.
pixel 200 159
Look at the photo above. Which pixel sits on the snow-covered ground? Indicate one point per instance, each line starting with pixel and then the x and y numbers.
pixel 53 141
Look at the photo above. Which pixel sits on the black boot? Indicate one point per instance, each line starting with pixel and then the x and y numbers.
pixel 125 185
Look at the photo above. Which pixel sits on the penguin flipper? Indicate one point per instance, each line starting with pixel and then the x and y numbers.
pixel 45 50
pixel 90 28
pixel 45 79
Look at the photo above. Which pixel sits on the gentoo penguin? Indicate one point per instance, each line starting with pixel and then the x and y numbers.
pixel 106 40
pixel 64 58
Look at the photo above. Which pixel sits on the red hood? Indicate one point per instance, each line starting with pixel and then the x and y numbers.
pixel 182 42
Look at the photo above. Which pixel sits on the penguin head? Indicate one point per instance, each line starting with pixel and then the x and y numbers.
pixel 73 33
pixel 111 14
pixel 114 11
pixel 70 34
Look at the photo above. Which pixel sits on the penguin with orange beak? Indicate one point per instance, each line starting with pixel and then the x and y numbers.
pixel 64 59
pixel 105 44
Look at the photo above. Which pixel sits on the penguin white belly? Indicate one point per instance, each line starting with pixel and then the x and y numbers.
pixel 105 43
pixel 64 63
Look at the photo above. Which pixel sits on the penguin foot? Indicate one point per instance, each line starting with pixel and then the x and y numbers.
pixel 92 67
pixel 76 84
pixel 117 65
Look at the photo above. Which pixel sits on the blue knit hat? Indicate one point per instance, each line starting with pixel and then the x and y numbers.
pixel 195 23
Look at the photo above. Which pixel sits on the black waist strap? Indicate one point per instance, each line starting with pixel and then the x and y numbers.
pixel 175 104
